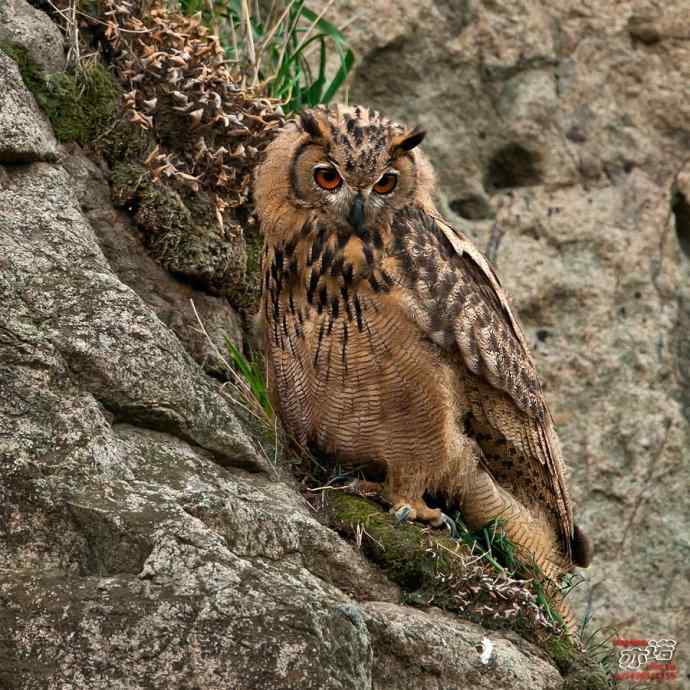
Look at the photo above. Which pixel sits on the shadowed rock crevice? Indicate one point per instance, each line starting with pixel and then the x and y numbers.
pixel 513 166
pixel 472 207
pixel 681 214
pixel 149 417
pixel 113 546
pixel 682 357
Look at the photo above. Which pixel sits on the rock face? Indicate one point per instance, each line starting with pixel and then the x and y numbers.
pixel 561 133
pixel 441 653
pixel 147 540
pixel 173 302
pixel 25 133
pixel 23 24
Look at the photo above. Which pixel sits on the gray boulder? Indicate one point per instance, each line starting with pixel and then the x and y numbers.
pixel 25 133
pixel 23 24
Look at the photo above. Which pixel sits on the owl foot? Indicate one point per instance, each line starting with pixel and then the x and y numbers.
pixel 420 511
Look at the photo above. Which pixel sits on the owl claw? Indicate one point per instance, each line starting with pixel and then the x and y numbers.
pixel 450 524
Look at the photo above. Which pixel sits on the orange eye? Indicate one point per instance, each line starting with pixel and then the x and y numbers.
pixel 327 178
pixel 386 184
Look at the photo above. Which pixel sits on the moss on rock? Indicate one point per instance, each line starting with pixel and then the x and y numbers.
pixel 30 71
pixel 580 669
pixel 79 105
pixel 433 569
pixel 181 229
pixel 403 551
pixel 82 105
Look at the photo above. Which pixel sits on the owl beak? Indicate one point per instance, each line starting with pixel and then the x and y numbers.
pixel 356 215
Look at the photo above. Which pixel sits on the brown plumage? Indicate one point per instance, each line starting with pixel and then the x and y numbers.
pixel 389 341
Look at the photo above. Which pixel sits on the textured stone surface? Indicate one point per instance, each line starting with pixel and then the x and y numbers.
pixel 25 134
pixel 450 654
pixel 171 300
pixel 170 571
pixel 60 295
pixel 26 26
pixel 560 133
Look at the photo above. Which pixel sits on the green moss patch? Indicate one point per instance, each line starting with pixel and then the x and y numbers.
pixel 30 71
pixel 409 556
pixel 80 106
pixel 582 670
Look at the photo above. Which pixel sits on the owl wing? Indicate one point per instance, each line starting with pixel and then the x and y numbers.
pixel 461 305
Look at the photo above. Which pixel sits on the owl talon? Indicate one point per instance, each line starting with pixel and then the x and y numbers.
pixel 450 524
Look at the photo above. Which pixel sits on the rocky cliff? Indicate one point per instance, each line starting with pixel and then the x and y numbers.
pixel 150 537
pixel 561 135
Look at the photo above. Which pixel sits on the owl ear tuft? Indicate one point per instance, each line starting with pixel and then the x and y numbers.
pixel 407 141
pixel 310 124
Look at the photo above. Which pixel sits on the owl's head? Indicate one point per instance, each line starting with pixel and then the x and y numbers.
pixel 347 165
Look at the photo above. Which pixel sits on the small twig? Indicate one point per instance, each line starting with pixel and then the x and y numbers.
pixel 240 383
pixel 233 35
pixel 249 38
pixel 266 40
pixel 328 488
pixel 209 6
pixel 274 466
pixel 290 29
pixel 75 29
pixel 376 541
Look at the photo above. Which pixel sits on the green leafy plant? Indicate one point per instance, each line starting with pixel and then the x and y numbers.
pixel 286 54
pixel 492 542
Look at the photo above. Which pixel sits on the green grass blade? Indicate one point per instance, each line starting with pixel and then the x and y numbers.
pixel 346 64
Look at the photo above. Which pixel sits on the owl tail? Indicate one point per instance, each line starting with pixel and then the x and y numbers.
pixel 581 548
pixel 535 536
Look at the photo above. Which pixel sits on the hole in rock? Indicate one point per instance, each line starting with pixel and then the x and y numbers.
pixel 513 166
pixel 681 213
pixel 472 207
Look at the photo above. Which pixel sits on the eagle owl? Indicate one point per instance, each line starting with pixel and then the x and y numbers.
pixel 390 343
